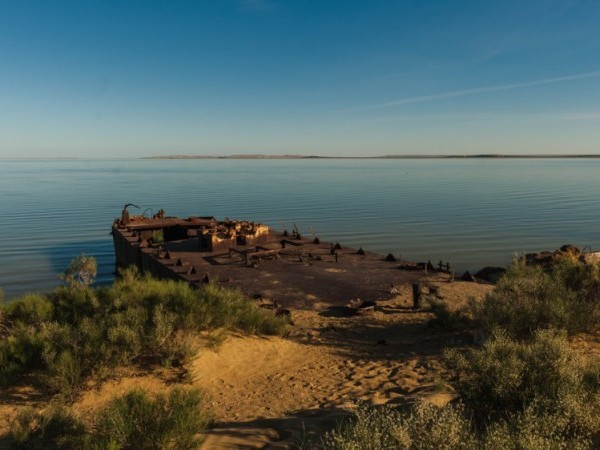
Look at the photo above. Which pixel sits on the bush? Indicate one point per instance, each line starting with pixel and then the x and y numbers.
pixel 228 308
pixel 564 296
pixel 528 298
pixel 158 237
pixel 73 332
pixel 448 319
pixel 544 377
pixel 430 427
pixel 81 272
pixel 54 428
pixel 133 421
pixel 20 352
pixel 136 421
pixel 424 427
pixel 581 278
pixel 31 309
pixel 534 430
pixel 516 395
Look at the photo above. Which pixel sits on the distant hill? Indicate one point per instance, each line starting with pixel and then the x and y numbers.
pixel 255 156
pixel 259 156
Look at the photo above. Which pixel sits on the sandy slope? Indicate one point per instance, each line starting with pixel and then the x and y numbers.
pixel 268 390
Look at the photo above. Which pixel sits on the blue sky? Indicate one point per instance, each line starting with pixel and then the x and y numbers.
pixel 358 78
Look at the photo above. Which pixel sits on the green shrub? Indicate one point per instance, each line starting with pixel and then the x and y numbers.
pixel 31 309
pixel 532 430
pixel 81 272
pixel 564 296
pixel 424 427
pixel 449 319
pixel 133 421
pixel 218 307
pixel 158 237
pixel 20 352
pixel 54 428
pixel 527 298
pixel 74 332
pixel 544 376
pixel 430 427
pixel 136 421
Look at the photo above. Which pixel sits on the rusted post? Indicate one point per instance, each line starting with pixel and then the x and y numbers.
pixel 125 216
pixel 416 289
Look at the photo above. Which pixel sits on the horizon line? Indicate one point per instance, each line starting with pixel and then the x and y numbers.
pixel 301 156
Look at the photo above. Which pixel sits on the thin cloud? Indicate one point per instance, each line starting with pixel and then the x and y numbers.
pixel 569 116
pixel 481 90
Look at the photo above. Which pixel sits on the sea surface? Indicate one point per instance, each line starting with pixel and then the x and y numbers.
pixel 470 212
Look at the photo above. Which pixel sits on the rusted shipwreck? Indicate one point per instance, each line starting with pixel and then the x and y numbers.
pixel 280 265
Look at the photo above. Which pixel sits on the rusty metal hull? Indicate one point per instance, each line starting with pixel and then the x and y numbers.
pixel 282 266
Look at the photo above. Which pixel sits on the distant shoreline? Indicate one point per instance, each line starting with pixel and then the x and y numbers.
pixel 479 156
pixel 294 157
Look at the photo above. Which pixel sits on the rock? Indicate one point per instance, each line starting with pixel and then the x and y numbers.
pixel 546 258
pixel 390 257
pixel 571 250
pixel 490 273
pixel 590 258
pixel 540 258
pixel 468 277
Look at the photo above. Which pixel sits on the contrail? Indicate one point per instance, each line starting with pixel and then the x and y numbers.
pixel 503 87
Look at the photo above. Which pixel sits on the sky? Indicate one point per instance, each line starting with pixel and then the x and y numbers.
pixel 112 79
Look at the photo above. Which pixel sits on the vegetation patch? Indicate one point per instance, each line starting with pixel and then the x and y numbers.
pixel 565 296
pixel 133 421
pixel 543 377
pixel 512 395
pixel 76 331
pixel 524 388
pixel 424 427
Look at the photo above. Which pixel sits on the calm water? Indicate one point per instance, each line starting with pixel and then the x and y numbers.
pixel 469 212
